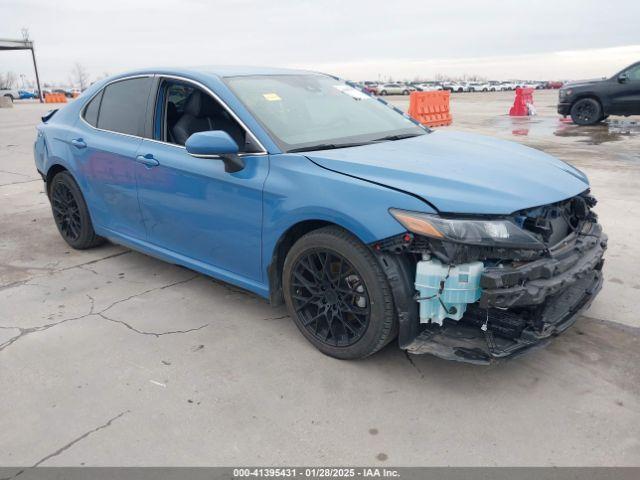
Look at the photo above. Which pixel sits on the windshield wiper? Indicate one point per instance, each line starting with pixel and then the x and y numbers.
pixel 326 146
pixel 332 146
pixel 397 137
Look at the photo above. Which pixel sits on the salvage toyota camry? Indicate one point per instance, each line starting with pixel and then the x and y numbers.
pixel 305 190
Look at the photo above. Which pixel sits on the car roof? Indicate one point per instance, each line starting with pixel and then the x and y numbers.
pixel 220 71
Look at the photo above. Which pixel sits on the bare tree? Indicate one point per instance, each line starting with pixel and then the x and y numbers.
pixel 80 76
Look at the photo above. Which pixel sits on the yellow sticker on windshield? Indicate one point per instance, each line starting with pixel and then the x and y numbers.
pixel 271 97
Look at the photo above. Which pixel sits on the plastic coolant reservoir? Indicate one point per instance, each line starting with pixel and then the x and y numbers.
pixel 461 287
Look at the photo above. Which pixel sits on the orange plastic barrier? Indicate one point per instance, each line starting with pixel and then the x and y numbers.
pixel 523 104
pixel 55 98
pixel 430 108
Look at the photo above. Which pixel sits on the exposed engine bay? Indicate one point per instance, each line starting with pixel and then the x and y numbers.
pixel 478 302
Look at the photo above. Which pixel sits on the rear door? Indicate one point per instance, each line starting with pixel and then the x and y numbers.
pixel 625 97
pixel 105 144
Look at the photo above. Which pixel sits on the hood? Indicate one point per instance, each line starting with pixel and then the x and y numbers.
pixel 459 172
pixel 580 83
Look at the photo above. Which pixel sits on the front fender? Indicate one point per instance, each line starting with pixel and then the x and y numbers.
pixel 298 190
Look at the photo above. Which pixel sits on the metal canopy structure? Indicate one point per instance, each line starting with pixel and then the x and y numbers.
pixel 10 44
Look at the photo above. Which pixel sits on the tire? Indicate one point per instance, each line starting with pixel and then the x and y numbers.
pixel 405 92
pixel 586 111
pixel 337 294
pixel 71 214
pixel 383 92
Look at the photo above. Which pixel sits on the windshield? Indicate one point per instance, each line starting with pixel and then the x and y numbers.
pixel 310 111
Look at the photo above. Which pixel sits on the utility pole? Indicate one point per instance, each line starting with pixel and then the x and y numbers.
pixel 29 45
pixel 35 67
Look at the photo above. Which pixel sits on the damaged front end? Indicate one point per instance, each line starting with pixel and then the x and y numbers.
pixel 481 289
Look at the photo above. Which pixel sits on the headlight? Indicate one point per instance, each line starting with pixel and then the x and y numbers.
pixel 564 93
pixel 493 233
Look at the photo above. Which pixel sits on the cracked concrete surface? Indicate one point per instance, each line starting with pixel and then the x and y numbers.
pixel 110 357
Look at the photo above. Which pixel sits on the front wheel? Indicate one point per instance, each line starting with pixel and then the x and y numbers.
pixel 71 214
pixel 405 92
pixel 586 111
pixel 383 92
pixel 337 294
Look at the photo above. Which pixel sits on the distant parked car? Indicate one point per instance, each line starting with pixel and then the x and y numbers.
pixel 591 101
pixel 478 87
pixel 10 93
pixel 370 89
pixel 24 94
pixel 64 91
pixel 428 87
pixel 498 86
pixel 456 87
pixel 555 85
pixel 395 89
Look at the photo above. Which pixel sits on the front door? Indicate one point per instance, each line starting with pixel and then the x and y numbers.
pixel 625 97
pixel 190 205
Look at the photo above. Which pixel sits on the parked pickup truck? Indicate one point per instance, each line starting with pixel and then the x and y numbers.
pixel 591 101
pixel 9 92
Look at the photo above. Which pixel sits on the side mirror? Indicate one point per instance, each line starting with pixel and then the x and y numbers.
pixel 623 77
pixel 216 144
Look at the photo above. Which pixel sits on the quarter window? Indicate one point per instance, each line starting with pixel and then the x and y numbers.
pixel 92 109
pixel 123 106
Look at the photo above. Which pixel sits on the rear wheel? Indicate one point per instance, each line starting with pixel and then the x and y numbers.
pixel 337 294
pixel 71 214
pixel 586 111
pixel 383 92
pixel 405 92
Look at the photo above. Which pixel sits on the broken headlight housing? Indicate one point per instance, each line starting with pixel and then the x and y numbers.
pixel 490 233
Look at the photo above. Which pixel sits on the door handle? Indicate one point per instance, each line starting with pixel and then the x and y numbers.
pixel 147 160
pixel 78 143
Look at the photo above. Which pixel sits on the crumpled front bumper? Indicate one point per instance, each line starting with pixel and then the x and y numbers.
pixel 466 342
pixel 521 306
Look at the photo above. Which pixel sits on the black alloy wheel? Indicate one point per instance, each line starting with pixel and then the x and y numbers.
pixel 70 212
pixel 586 111
pixel 330 298
pixel 66 212
pixel 338 295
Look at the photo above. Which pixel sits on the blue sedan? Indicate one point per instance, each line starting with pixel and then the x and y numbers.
pixel 305 190
pixel 24 94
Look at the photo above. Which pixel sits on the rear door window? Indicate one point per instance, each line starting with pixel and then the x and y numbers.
pixel 123 106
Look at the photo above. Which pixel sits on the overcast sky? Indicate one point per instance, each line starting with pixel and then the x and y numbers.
pixel 565 39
